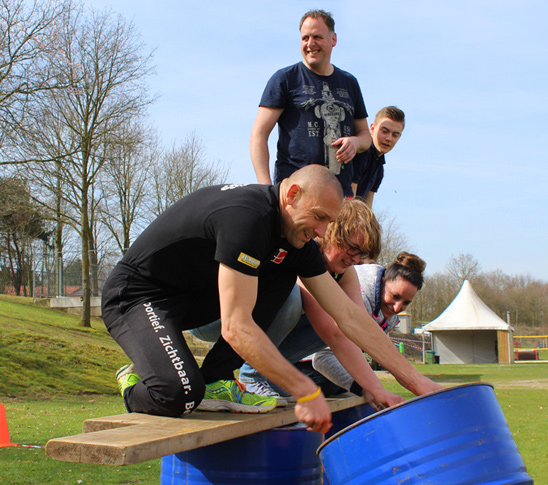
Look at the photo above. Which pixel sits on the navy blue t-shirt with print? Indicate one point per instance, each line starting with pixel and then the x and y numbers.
pixel 317 111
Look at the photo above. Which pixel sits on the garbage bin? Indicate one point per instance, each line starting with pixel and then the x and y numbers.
pixel 430 357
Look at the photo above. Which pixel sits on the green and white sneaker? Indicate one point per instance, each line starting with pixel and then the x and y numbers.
pixel 127 376
pixel 263 388
pixel 226 395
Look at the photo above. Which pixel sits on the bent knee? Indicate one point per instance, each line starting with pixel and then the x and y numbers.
pixel 178 399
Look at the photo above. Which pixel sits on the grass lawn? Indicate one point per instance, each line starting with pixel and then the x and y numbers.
pixel 520 389
pixel 55 375
pixel 35 422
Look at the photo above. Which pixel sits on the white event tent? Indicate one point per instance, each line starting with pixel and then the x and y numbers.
pixel 469 332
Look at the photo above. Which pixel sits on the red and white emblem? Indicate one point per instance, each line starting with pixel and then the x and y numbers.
pixel 280 256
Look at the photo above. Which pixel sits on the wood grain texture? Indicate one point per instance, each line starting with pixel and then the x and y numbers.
pixel 127 439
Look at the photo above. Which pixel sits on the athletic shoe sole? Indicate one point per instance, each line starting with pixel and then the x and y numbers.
pixel 281 402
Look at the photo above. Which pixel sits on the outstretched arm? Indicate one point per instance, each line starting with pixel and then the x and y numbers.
pixel 237 294
pixel 258 144
pixel 360 328
pixel 348 354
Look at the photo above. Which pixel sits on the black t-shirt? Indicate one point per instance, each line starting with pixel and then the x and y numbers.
pixel 237 225
pixel 368 171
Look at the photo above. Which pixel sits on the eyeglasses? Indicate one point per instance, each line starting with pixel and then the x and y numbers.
pixel 355 251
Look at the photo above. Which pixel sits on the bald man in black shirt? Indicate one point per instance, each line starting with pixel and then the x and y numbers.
pixel 232 252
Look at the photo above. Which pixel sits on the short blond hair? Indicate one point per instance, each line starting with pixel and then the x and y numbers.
pixel 355 217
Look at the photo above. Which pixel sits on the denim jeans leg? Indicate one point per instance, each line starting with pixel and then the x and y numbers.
pixel 210 332
pixel 281 326
pixel 300 343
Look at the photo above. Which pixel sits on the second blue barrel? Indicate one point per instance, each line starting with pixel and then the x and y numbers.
pixel 455 436
pixel 279 456
pixel 346 417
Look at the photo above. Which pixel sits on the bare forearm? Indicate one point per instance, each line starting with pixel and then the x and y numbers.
pixel 355 363
pixel 351 145
pixel 364 141
pixel 260 158
pixel 369 199
pixel 377 344
pixel 258 144
pixel 361 329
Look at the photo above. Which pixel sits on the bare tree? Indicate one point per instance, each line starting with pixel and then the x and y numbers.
pixel 437 293
pixel 393 240
pixel 29 34
pixel 183 170
pixel 463 267
pixel 527 301
pixel 20 224
pixel 110 92
pixel 126 182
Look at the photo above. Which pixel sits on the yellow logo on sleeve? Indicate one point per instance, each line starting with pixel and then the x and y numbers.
pixel 248 260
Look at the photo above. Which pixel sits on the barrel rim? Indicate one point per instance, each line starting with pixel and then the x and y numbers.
pixel 397 406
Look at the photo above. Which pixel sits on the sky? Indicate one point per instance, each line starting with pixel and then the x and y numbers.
pixel 470 173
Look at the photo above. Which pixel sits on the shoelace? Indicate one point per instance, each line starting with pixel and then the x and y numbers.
pixel 241 386
pixel 266 390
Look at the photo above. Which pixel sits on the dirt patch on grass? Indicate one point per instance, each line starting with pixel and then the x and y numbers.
pixel 525 383
pixel 456 380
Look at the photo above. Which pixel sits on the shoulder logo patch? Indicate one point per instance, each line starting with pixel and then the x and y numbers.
pixel 279 257
pixel 248 260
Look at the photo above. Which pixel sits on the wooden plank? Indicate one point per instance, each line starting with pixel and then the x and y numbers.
pixel 132 438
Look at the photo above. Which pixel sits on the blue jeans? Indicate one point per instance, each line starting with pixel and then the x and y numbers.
pixel 287 317
pixel 301 342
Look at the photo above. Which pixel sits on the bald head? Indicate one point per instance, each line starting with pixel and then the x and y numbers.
pixel 315 180
pixel 310 199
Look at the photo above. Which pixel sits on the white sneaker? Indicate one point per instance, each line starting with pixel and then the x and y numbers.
pixel 262 388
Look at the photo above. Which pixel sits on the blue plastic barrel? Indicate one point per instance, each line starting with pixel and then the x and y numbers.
pixel 278 456
pixel 455 436
pixel 346 417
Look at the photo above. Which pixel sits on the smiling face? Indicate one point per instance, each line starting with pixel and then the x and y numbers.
pixel 308 215
pixel 386 134
pixel 317 42
pixel 338 260
pixel 396 296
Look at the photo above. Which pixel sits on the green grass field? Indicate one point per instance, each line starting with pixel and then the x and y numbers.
pixel 56 374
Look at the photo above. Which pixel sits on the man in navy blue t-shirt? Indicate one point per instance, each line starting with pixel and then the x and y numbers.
pixel 318 107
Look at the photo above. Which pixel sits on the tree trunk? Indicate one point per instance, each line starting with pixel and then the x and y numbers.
pixel 59 236
pixel 93 266
pixel 86 283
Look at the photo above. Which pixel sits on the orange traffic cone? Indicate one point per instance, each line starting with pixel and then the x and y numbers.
pixel 4 433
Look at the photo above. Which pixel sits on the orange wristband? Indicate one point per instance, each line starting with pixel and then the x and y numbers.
pixel 314 395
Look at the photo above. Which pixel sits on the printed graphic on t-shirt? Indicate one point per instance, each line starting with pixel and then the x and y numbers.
pixel 331 113
pixel 232 186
